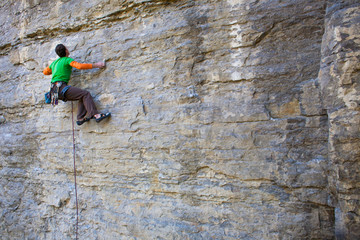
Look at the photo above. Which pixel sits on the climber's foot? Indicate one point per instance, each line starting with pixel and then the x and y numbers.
pixel 81 122
pixel 101 116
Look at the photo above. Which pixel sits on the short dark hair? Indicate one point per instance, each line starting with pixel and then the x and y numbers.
pixel 60 50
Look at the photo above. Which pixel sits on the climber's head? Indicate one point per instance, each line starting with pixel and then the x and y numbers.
pixel 62 51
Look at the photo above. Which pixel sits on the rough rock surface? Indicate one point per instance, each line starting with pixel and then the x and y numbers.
pixel 234 119
pixel 339 77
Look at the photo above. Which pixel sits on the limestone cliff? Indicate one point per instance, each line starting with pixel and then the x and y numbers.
pixel 233 119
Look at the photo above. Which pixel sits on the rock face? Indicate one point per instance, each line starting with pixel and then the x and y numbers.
pixel 230 120
pixel 339 77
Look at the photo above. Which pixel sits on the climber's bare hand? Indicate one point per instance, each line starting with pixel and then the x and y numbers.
pixel 99 65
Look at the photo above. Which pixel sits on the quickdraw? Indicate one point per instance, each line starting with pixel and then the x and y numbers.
pixel 53 95
pixel 54 90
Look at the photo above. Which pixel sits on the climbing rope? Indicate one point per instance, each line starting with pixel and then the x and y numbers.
pixel 76 198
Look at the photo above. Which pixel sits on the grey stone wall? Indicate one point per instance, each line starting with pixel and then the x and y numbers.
pixel 230 120
pixel 339 77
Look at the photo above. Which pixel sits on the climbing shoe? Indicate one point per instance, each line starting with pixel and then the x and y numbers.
pixel 102 116
pixel 81 122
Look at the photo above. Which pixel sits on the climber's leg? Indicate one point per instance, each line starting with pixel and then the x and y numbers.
pixel 81 110
pixel 86 106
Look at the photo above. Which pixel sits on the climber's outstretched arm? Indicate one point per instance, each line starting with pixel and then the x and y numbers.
pixel 87 65
pixel 47 70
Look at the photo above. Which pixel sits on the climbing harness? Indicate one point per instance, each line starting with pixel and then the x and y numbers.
pixel 76 198
pixel 53 95
pixel 63 93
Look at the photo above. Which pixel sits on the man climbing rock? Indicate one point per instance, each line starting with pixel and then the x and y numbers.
pixel 61 70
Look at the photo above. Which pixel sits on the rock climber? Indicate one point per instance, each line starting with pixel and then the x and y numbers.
pixel 61 70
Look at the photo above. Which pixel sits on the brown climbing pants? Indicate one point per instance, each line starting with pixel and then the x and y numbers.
pixel 86 104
